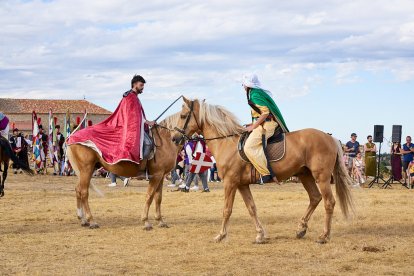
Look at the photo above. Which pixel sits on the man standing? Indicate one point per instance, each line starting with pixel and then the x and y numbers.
pixel 19 146
pixel 408 155
pixel 60 141
pixel 266 117
pixel 370 157
pixel 352 149
pixel 189 152
pixel 43 148
pixel 113 178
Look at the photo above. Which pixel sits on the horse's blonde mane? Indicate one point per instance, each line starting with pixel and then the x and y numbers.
pixel 171 121
pixel 225 122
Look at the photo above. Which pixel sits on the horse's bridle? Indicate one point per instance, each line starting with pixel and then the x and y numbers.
pixel 187 121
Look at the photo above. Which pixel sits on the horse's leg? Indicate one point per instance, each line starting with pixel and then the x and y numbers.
pixel 79 209
pixel 251 206
pixel 158 201
pixel 2 181
pixel 329 200
pixel 229 193
pixel 151 190
pixel 84 182
pixel 314 198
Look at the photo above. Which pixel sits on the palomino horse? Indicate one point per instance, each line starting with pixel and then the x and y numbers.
pixel 83 160
pixel 6 153
pixel 311 155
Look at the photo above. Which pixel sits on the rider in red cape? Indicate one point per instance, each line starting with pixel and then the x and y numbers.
pixel 120 137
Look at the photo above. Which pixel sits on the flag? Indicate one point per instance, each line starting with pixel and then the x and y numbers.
pixel 66 168
pixel 51 141
pixel 36 142
pixel 201 163
pixel 67 124
pixel 84 121
pixel 55 146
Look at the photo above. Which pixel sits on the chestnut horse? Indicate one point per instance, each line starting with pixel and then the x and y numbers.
pixel 312 155
pixel 83 160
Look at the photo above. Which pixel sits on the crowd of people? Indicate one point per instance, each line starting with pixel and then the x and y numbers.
pixel 361 161
pixel 181 176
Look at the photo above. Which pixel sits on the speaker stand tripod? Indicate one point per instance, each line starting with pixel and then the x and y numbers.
pixel 390 181
pixel 378 177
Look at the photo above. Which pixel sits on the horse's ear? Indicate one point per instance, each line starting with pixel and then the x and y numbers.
pixel 187 101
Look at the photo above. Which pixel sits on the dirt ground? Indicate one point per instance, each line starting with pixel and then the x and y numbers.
pixel 40 234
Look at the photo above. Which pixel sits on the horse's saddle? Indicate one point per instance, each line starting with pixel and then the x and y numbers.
pixel 275 149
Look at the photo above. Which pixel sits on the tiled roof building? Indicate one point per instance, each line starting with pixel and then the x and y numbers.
pixel 20 111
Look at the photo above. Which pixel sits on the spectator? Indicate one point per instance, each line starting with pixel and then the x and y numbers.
pixel 396 164
pixel 114 177
pixel 370 157
pixel 352 148
pixel 19 146
pixel 213 172
pixel 60 141
pixel 358 168
pixel 189 148
pixel 411 172
pixel 199 147
pixel 4 126
pixel 178 172
pixel 43 149
pixel 408 153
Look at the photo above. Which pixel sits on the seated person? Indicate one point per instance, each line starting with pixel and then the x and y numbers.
pixel 411 172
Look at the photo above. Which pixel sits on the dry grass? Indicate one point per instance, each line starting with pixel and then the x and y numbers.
pixel 40 234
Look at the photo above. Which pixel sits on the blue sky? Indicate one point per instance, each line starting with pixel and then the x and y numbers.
pixel 339 66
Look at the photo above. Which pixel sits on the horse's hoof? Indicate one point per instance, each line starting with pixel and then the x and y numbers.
pixel 163 225
pixel 1 193
pixel 85 224
pixel 219 238
pixel 300 234
pixel 260 241
pixel 147 227
pixel 94 226
pixel 322 240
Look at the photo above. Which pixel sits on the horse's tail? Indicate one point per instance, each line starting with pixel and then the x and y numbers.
pixel 342 183
pixel 75 167
pixel 5 145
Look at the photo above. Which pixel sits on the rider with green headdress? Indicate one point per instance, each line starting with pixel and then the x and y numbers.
pixel 266 117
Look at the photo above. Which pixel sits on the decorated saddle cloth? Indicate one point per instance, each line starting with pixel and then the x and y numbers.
pixel 275 148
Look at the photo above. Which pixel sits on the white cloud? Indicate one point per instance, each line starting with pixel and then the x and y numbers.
pixel 75 48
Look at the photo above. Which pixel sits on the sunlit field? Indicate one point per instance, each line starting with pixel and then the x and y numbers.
pixel 40 233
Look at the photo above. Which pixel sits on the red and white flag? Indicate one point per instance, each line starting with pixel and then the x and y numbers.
pixel 201 163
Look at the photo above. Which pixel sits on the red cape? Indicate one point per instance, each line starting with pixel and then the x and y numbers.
pixel 119 137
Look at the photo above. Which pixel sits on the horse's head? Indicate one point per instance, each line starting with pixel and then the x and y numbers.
pixel 188 122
